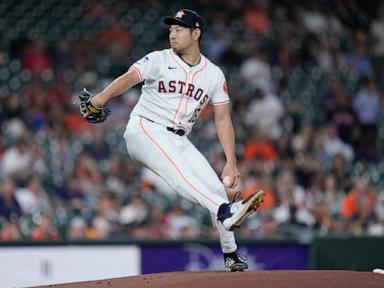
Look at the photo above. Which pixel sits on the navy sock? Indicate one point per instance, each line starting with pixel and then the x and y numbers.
pixel 223 212
pixel 232 255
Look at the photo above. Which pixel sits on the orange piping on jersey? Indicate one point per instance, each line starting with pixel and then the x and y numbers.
pixel 182 95
pixel 222 102
pixel 138 72
pixel 174 164
pixel 193 76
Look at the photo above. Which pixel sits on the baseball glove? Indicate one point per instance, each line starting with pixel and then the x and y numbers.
pixel 94 114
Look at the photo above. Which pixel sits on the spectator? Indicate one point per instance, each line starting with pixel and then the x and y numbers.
pixel 136 212
pixel 353 201
pixel 9 207
pixel 159 223
pixel 377 32
pixel 182 226
pixel 344 118
pixel 17 160
pixel 260 147
pixel 292 209
pixel 36 58
pixel 77 229
pixel 358 60
pixel 9 231
pixel 334 145
pixel 220 42
pixel 264 111
pixel 256 17
pixel 44 230
pixel 367 106
pixel 256 69
pixel 98 148
pixel 100 229
pixel 333 195
pixel 33 199
pixel 302 141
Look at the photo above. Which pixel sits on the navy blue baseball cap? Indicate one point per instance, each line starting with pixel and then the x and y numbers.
pixel 186 18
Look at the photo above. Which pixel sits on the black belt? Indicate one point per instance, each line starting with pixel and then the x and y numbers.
pixel 179 132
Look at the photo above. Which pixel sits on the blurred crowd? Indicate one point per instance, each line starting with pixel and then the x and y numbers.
pixel 306 86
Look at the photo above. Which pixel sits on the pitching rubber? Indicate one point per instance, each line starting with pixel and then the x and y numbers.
pixel 378 270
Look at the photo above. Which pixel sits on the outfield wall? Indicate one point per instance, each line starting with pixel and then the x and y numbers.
pixel 37 265
pixel 26 263
pixel 350 253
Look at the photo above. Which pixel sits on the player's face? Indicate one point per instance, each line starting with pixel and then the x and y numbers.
pixel 180 38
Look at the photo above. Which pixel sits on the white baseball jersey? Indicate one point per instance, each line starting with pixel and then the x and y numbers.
pixel 175 93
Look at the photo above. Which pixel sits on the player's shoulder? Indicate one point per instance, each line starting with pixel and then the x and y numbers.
pixel 153 54
pixel 153 58
pixel 213 68
pixel 160 53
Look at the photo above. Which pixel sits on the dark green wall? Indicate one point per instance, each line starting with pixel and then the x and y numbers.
pixel 349 253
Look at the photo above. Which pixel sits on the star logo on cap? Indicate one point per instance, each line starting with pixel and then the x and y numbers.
pixel 180 14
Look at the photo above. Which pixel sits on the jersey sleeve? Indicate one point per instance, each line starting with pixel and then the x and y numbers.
pixel 220 94
pixel 147 67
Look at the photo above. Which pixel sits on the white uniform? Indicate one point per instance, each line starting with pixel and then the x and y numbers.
pixel 173 95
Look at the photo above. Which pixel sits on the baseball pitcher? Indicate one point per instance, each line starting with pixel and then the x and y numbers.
pixel 178 83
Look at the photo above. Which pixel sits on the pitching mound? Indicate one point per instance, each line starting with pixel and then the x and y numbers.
pixel 259 279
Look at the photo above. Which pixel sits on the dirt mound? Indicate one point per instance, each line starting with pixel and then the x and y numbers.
pixel 259 279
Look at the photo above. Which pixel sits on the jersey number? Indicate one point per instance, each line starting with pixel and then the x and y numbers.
pixel 195 115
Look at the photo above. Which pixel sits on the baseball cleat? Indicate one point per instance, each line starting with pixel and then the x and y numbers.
pixel 233 263
pixel 233 214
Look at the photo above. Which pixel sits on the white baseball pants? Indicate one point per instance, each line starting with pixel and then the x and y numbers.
pixel 181 165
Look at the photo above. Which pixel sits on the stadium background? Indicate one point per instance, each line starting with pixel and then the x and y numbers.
pixel 306 83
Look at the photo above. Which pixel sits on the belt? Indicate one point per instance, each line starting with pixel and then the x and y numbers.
pixel 179 132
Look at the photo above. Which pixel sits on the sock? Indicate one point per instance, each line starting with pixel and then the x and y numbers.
pixel 223 212
pixel 232 255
